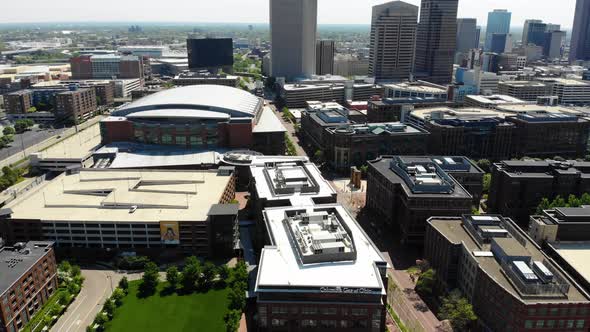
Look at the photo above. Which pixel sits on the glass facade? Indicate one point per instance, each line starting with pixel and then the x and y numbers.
pixel 195 135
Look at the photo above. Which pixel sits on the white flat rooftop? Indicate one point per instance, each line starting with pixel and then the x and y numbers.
pixel 576 254
pixel 280 267
pixel 268 122
pixel 264 190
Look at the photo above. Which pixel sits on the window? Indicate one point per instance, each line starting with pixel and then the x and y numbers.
pixel 279 322
pixel 550 324
pixel 309 310
pixel 279 310
pixel 553 311
pixel 180 140
pixel 166 139
pixel 540 324
pixel 570 323
pixel 343 324
pixel 528 324
pixel 580 324
pixel 573 311
pixel 309 323
pixel 359 312
pixel 328 311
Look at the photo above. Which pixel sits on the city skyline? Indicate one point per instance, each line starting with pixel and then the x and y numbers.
pixel 256 11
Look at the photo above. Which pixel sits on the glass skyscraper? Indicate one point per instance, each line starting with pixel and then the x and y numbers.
pixel 498 22
pixel 580 44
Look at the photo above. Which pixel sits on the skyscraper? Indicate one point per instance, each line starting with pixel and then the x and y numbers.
pixel 525 30
pixel 393 36
pixel 293 29
pixel 535 33
pixel 477 36
pixel 466 34
pixel 580 44
pixel 324 57
pixel 498 22
pixel 435 42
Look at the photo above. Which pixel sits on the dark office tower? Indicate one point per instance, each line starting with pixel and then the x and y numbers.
pixel 324 53
pixel 525 30
pixel 580 44
pixel 535 33
pixel 393 36
pixel 477 36
pixel 211 54
pixel 498 42
pixel 435 42
pixel 466 34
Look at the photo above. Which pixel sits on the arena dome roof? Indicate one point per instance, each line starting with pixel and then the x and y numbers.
pixel 204 100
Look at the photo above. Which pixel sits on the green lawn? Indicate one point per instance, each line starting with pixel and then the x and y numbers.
pixel 193 312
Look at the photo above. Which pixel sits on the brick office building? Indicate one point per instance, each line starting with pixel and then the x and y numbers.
pixel 28 277
pixel 512 285
pixel 77 105
pixel 18 102
pixel 406 191
pixel 517 187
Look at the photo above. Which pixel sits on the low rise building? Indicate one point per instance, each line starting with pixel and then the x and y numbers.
pixel 76 105
pixel 406 191
pixel 420 89
pixel 298 94
pixel 28 278
pixel 492 101
pixel 524 90
pixel 18 102
pixel 395 109
pixel 345 142
pixel 204 78
pixel 146 211
pixel 518 186
pixel 320 271
pixel 511 283
pixel 561 224
pixel 569 91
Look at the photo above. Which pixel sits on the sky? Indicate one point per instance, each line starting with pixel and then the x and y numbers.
pixel 256 11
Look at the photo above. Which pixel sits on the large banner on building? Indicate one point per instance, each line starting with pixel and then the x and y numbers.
pixel 169 232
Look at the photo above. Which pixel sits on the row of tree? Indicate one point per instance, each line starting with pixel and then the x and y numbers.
pixel 572 201
pixel 110 305
pixel 454 307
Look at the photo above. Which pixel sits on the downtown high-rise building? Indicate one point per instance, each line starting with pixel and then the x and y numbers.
pixel 580 43
pixel 393 36
pixel 526 28
pixel 466 34
pixel 435 41
pixel 293 30
pixel 498 22
pixel 324 57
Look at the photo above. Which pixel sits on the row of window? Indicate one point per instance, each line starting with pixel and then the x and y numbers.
pixel 550 324
pixel 573 311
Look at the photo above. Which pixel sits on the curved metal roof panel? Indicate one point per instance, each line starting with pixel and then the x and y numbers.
pixel 216 98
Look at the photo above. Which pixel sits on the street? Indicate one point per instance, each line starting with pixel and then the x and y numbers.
pixel 97 287
pixel 28 139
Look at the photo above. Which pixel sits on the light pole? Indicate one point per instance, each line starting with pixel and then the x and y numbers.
pixel 111 280
pixel 22 143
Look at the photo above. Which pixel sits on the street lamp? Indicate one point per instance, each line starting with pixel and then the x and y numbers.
pixel 111 279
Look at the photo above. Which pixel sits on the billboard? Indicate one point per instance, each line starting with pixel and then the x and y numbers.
pixel 169 232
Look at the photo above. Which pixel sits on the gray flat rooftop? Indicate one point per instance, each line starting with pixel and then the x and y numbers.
pixel 14 263
pixel 576 254
pixel 109 195
pixel 77 147
pixel 454 230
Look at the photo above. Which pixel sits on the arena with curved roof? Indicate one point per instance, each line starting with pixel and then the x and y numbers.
pixel 198 117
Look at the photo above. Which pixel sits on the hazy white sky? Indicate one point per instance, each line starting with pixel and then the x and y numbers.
pixel 255 11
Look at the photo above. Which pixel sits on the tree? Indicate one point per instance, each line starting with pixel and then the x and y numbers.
pixel 117 297
pixel 75 271
pixel 150 279
pixel 232 320
pixel 487 181
pixel 100 319
pixel 426 282
pixel 240 273
pixel 237 298
pixel 109 308
pixel 173 276
pixel 20 127
pixel 64 266
pixel 585 199
pixel 558 202
pixel 458 310
pixel 209 273
pixel 485 165
pixel 191 274
pixel 223 272
pixel 8 131
pixel 543 205
pixel 124 284
pixel 73 288
pixel 63 298
pixel 318 156
pixel 32 109
pixel 573 201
